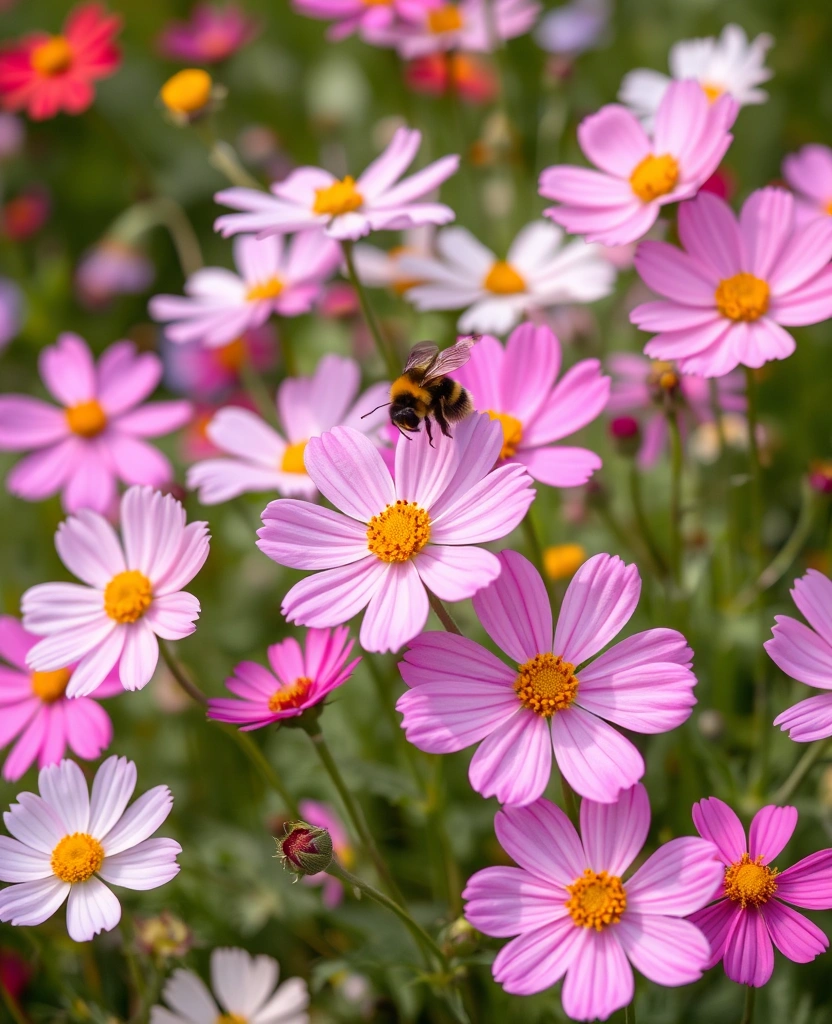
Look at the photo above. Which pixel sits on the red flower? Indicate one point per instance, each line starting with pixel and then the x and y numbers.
pixel 45 74
pixel 437 73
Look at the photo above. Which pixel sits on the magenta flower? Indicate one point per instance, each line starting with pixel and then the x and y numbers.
pixel 575 915
pixel 742 926
pixel 639 174
pixel 274 277
pixel 34 707
pixel 377 23
pixel 133 592
pixel 299 680
pixel 324 816
pixel 734 286
pixel 430 26
pixel 809 173
pixel 211 35
pixel 531 409
pixel 204 373
pixel 345 209
pixel 97 437
pixel 805 653
pixel 461 694
pixel 391 537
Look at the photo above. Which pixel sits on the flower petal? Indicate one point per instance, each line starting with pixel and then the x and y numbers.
pixel 31 903
pixel 19 863
pixel 800 652
pixel 771 829
pixel 793 934
pixel 64 788
pixel 91 908
pixel 808 883
pixel 441 717
pixel 147 865
pixel 715 923
pixel 749 956
pixel 600 598
pixel 613 834
pixel 598 762
pixel 514 762
pixel 505 901
pixel 716 821
pixel 306 536
pixel 665 950
pixel 333 596
pixel 539 959
pixel 139 821
pixel 515 610
pixel 348 470
pixel 542 840
pixel 599 980
pixel 112 788
pixel 677 879
pixel 455 573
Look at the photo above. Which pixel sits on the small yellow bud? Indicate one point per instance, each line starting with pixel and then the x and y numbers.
pixel 563 560
pixel 187 92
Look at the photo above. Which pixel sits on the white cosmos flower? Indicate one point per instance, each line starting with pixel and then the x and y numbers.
pixel 68 844
pixel 539 271
pixel 730 64
pixel 243 986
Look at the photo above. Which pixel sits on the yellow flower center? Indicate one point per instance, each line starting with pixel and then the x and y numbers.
pixel 447 18
pixel 52 57
pixel 50 686
pixel 187 92
pixel 654 176
pixel 748 882
pixel 337 198
pixel 563 560
pixel 233 356
pixel 127 596
pixel 828 208
pixel 77 857
pixel 512 433
pixel 662 376
pixel 742 297
pixel 267 290
pixel 713 92
pixel 86 418
pixel 596 900
pixel 377 3
pixel 399 532
pixel 503 279
pixel 231 1018
pixel 291 696
pixel 546 684
pixel 292 461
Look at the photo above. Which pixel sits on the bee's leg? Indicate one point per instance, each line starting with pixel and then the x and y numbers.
pixel 443 423
pixel 430 435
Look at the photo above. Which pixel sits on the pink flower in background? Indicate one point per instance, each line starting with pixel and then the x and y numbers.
pixel 638 174
pixel 97 437
pixel 274 277
pixel 375 21
pixel 436 25
pixel 25 214
pixel 263 460
pixel 735 284
pixel 112 268
pixel 133 592
pixel 753 913
pixel 12 135
pixel 531 409
pixel 574 913
pixel 346 209
pixel 68 843
pixel 35 708
pixel 808 172
pixel 805 653
pixel 642 385
pixel 300 678
pixel 392 537
pixel 455 74
pixel 203 373
pixel 212 34
pixel 461 694
pixel 11 311
pixel 324 816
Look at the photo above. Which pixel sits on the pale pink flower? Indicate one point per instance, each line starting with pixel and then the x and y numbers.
pixel 34 709
pixel 212 34
pixel 516 386
pixel 109 269
pixel 391 537
pixel 68 843
pixel 324 816
pixel 461 694
pixel 468 26
pixel 638 174
pixel 96 437
pixel 133 592
pixel 574 914
pixel 376 23
pixel 274 277
pixel 300 678
pixel 202 373
pixel 809 173
pixel 728 294
pixel 753 913
pixel 261 458
pixel 345 209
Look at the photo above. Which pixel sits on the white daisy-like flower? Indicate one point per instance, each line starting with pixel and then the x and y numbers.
pixel 730 64
pixel 244 987
pixel 539 271
pixel 68 843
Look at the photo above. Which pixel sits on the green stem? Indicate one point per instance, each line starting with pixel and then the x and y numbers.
pixel 177 670
pixel 533 538
pixel 136 980
pixel 384 351
pixel 810 758
pixel 642 521
pixel 287 351
pixel 258 392
pixel 756 475
pixel 161 211
pixel 630 1012
pixel 675 499
pixel 15 1013
pixel 748 1009
pixel 443 614
pixel 570 802
pixel 716 412
pixel 223 158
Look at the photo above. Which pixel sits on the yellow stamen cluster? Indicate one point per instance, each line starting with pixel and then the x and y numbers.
pixel 512 433
pixel 292 461
pixel 447 18
pixel 270 289
pixel 86 418
pixel 187 92
pixel 750 883
pixel 337 198
pixel 654 176
pixel 231 1018
pixel 399 532
pixel 233 356
pixel 562 561
pixel 742 297
pixel 503 279
pixel 546 684
pixel 52 57
pixel 596 900
pixel 128 596
pixel 663 376
pixel 713 92
pixel 292 696
pixel 50 686
pixel 77 857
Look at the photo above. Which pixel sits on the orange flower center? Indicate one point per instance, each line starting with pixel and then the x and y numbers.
pixel 654 176
pixel 512 433
pixel 337 198
pixel 750 883
pixel 828 208
pixel 267 290
pixel 446 18
pixel 596 900
pixel 187 92
pixel 546 684
pixel 662 376
pixel 399 532
pixel 231 1018
pixel 713 92
pixel 503 279
pixel 233 356
pixel 52 57
pixel 292 461
pixel 77 857
pixel 742 297
pixel 127 596
pixel 377 3
pixel 561 561
pixel 50 686
pixel 86 418
pixel 291 696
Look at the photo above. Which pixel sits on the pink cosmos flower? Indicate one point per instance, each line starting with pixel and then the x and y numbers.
pixel 346 209
pixel 468 26
pixel 274 277
pixel 809 173
pixel 805 653
pixel 300 679
pixel 532 411
pixel 638 174
pixel 392 537
pixel 35 708
pixel 12 306
pixel 133 592
pixel 263 460
pixel 461 694
pixel 111 268
pixel 68 843
pixel 733 287
pixel 324 816
pixel 575 914
pixel 204 373
pixel 376 22
pixel 642 385
pixel 97 437
pixel 211 35
pixel 742 926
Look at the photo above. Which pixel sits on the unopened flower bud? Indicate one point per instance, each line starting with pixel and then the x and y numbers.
pixel 304 849
pixel 626 433
pixel 163 936
pixel 820 476
pixel 562 561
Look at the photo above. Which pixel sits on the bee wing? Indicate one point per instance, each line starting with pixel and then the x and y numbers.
pixel 422 355
pixel 452 358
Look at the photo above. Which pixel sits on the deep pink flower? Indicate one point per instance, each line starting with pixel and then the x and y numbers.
pixel 463 74
pixel 324 816
pixel 376 22
pixel 34 707
pixel 462 694
pixel 575 915
pixel 204 373
pixel 735 284
pixel 212 34
pixel 809 173
pixel 752 914
pixel 638 174
pixel 97 436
